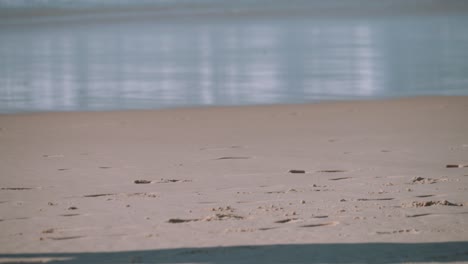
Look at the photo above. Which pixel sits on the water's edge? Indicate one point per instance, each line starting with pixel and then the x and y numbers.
pixel 158 55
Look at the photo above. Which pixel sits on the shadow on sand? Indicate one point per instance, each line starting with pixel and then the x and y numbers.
pixel 293 253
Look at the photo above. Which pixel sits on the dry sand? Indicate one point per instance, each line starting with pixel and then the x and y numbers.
pixel 213 185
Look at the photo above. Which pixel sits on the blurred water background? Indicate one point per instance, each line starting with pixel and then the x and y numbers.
pixel 80 55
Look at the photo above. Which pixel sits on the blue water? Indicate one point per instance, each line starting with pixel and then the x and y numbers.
pixel 107 55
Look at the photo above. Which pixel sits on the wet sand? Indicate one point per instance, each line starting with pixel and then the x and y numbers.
pixel 292 182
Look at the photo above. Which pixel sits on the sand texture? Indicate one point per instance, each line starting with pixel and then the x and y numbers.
pixel 339 182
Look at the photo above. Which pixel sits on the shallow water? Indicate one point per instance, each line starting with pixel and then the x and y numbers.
pixel 227 55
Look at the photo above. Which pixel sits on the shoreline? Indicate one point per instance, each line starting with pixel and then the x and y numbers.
pixel 250 106
pixel 372 171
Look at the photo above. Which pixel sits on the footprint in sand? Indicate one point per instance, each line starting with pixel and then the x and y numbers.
pixel 180 220
pixel 275 192
pixel 16 188
pixel 421 180
pixel 16 218
pixel 334 223
pixel 266 228
pixel 341 178
pixel 223 209
pixel 216 217
pixel 99 195
pixel 48 231
pixel 428 214
pixel 320 216
pixel 63 238
pixel 431 203
pixel 287 220
pixel 160 181
pixel 418 215
pixel 424 195
pixel 142 181
pixel 220 217
pixel 248 230
pixel 140 194
pixel 456 166
pixel 172 181
pixel 375 199
pixel 331 171
pixel 219 148
pixel 400 231
pixel 68 215
pixel 233 158
pixel 297 171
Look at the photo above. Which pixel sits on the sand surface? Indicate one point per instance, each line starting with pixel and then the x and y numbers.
pixel 213 185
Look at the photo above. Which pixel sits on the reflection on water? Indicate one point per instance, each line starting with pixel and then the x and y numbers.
pixel 157 64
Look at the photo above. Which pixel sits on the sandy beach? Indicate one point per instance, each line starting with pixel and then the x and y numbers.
pixel 337 182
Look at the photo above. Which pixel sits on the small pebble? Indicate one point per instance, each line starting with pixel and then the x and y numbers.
pixel 296 171
pixel 455 166
pixel 48 231
pixel 142 181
